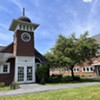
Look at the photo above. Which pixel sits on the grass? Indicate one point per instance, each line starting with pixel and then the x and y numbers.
pixel 82 93
pixel 5 88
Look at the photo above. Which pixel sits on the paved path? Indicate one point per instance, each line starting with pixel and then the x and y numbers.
pixel 33 88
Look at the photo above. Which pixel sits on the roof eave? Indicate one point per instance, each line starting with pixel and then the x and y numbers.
pixel 15 22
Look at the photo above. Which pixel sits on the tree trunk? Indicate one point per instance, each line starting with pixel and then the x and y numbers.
pixel 72 73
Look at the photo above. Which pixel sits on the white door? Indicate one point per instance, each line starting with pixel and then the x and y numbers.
pixel 25 74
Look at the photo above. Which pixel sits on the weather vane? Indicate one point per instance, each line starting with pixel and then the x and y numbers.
pixel 23 11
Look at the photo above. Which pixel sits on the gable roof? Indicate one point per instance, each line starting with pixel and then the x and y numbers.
pixel 8 49
pixel 1 48
pixel 40 56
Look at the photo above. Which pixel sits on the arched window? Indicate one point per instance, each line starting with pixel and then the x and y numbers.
pixel 91 69
pixel 87 69
pixel 84 69
pixel 37 60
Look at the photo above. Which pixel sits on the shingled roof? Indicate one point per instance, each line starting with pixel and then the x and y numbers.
pixel 97 38
pixel 1 48
pixel 40 56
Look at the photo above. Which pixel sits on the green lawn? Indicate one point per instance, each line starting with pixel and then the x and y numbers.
pixel 83 93
pixel 4 88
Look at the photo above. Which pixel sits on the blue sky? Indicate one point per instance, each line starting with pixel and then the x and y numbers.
pixel 54 16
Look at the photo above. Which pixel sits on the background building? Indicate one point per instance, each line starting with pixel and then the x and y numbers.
pixel 88 68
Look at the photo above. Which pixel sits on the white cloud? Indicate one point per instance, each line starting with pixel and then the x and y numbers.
pixel 4 26
pixel 2 8
pixel 17 3
pixel 87 0
pixel 5 38
pixel 36 2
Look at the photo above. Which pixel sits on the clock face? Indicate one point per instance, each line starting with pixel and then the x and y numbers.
pixel 26 37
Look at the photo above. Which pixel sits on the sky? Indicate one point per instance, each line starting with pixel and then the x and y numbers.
pixel 54 16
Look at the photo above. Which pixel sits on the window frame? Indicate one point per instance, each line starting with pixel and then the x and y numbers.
pixel 2 68
pixel 89 69
pixel 76 69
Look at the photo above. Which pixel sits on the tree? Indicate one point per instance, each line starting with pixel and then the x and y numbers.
pixel 71 51
pixel 42 73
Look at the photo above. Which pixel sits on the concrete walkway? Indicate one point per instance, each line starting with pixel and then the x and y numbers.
pixel 33 88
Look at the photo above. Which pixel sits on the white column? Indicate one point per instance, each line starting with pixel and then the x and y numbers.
pixel 34 71
pixel 16 70
pixel 25 73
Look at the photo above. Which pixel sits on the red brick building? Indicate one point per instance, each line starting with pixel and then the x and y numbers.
pixel 88 69
pixel 19 59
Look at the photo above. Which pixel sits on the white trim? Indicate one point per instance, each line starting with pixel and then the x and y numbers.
pixel 25 33
pixel 38 59
pixel 8 69
pixel 25 61
pixel 89 67
pixel 76 69
pixel 30 28
pixel 95 64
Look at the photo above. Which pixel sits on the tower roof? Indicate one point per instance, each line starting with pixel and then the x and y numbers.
pixel 24 18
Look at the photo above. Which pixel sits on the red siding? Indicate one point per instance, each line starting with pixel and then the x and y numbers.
pixel 8 78
pixel 22 48
pixel 8 49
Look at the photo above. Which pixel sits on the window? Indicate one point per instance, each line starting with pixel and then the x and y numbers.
pixel 30 28
pixel 38 64
pixel 91 69
pixel 20 27
pixel 56 69
pixel 66 69
pixel 52 69
pixel 23 27
pixel 4 69
pixel 88 69
pixel 27 28
pixel 98 53
pixel 76 69
pixel 83 69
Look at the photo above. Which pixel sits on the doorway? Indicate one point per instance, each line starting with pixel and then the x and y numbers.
pixel 25 74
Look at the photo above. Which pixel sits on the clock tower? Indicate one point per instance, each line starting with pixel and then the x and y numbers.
pixel 23 36
pixel 23 49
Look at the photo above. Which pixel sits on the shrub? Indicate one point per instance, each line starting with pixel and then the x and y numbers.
pixel 42 81
pixel 61 79
pixel 77 78
pixel 14 85
pixel 42 73
pixel 57 79
pixel 83 76
pixel 2 84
